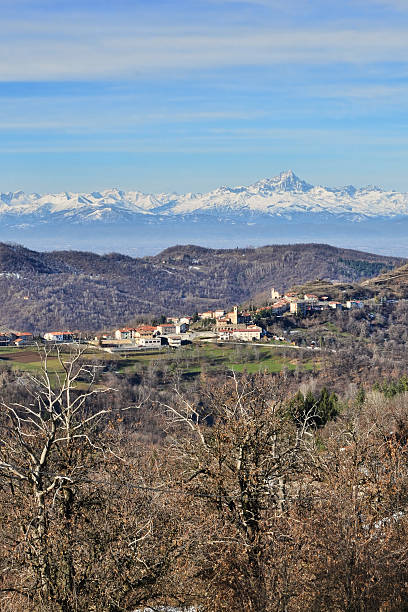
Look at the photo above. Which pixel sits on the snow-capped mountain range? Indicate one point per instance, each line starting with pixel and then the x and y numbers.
pixel 285 196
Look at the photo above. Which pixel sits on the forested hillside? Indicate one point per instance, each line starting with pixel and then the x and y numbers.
pixel 85 291
pixel 393 282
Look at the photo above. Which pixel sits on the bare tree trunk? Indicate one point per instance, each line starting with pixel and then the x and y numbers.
pixel 42 552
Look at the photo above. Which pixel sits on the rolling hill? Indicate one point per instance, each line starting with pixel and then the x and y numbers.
pixel 393 283
pixel 86 291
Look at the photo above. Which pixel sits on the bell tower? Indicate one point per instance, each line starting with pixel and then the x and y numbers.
pixel 235 315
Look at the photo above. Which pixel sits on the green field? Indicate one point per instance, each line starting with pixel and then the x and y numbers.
pixel 189 360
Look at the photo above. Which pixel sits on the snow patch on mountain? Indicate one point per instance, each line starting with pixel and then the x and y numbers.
pixel 283 196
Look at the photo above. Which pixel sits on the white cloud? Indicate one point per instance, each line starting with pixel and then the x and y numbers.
pixel 115 52
pixel 28 115
pixel 396 94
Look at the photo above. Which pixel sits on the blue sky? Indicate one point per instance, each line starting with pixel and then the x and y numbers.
pixel 176 95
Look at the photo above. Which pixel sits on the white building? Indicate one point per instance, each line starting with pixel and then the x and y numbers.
pixel 174 341
pixel 166 329
pixel 126 333
pixel 148 342
pixel 354 304
pixel 186 320
pixel 335 305
pixel 206 315
pixel 252 332
pixel 224 335
pixel 58 337
pixel 310 297
pixel 181 328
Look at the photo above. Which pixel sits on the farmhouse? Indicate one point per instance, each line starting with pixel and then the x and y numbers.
pixel 23 341
pixel 206 315
pixel 280 307
pixel 304 306
pixel 310 297
pixel 26 335
pixel 59 336
pixel 144 331
pixel 126 333
pixel 252 332
pixel 165 329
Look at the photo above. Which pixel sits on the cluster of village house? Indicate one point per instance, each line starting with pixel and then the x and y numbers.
pixel 233 325
pixel 307 304
pixel 21 339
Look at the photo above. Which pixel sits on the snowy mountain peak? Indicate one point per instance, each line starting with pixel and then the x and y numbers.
pixel 285 181
pixel 284 196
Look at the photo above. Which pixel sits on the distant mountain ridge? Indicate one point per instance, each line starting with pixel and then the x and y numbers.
pixel 285 195
pixel 86 291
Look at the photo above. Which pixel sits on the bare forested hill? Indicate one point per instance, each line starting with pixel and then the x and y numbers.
pixel 80 290
pixel 392 282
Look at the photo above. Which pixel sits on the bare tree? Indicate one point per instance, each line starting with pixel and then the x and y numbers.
pixel 88 523
pixel 241 458
pixel 43 447
pixel 354 524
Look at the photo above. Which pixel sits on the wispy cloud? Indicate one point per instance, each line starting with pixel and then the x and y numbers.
pixel 241 78
pixel 75 40
pixel 115 54
pixel 391 94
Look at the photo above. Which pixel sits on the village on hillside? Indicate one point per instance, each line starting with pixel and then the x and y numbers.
pixel 237 325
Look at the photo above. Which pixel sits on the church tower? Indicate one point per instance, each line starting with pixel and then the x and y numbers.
pixel 234 320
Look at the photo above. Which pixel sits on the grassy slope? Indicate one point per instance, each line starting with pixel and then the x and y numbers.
pixel 190 360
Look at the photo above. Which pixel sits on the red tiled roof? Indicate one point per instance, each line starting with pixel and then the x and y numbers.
pixel 246 329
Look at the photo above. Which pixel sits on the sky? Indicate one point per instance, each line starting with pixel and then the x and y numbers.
pixel 187 95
